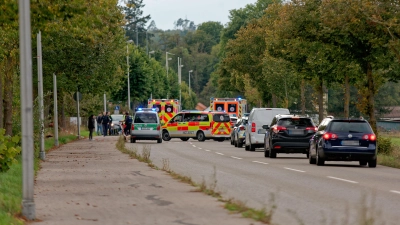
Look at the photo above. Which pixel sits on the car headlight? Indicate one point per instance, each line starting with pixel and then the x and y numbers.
pixel 112 124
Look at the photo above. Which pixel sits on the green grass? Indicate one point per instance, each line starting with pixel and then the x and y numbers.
pixel 11 185
pixel 393 159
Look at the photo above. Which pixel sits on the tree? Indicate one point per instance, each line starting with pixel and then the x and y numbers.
pixel 212 28
pixel 136 21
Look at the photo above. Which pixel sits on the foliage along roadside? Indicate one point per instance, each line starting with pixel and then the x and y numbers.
pixel 11 184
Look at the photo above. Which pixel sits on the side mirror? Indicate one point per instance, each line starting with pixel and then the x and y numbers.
pixel 265 127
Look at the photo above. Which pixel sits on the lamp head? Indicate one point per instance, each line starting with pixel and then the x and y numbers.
pixel 191 71
pixel 129 41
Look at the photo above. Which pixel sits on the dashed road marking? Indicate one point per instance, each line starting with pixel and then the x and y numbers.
pixel 219 153
pixel 235 157
pixel 200 148
pixel 207 150
pixel 194 146
pixel 301 171
pixel 393 191
pixel 350 181
pixel 261 162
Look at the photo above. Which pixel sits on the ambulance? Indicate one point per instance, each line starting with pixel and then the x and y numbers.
pixel 200 125
pixel 235 107
pixel 166 108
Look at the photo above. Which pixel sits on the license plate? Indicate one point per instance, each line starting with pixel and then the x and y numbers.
pixel 147 128
pixel 296 132
pixel 351 143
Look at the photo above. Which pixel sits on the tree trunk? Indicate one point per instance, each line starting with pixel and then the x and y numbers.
pixel 370 98
pixel 2 72
pixel 303 96
pixel 8 95
pixel 273 100
pixel 63 113
pixel 346 97
pixel 320 100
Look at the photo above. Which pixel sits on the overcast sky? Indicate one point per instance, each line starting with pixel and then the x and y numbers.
pixel 166 12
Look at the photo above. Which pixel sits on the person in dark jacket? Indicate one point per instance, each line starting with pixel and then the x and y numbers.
pixel 99 126
pixel 91 126
pixel 105 120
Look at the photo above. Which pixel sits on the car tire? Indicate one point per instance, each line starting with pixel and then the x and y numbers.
pixel 372 163
pixel 246 147
pixel 200 136
pixel 159 140
pixel 165 136
pixel 308 155
pixel 319 161
pixel 231 141
pixel 363 163
pixel 266 151
pixel 272 153
pixel 133 140
pixel 312 160
pixel 185 139
pixel 239 144
pixel 252 147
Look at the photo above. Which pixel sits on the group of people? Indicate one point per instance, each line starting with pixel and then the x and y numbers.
pixel 104 122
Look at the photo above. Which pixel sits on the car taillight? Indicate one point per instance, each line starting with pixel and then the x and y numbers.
pixel 241 128
pixel 370 137
pixel 158 127
pixel 132 127
pixel 278 128
pixel 312 128
pixel 253 127
pixel 330 136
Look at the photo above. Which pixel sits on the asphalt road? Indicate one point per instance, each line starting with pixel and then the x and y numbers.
pixel 337 193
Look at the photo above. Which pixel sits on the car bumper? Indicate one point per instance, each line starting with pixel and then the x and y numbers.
pixel 257 139
pixel 348 153
pixel 145 137
pixel 291 146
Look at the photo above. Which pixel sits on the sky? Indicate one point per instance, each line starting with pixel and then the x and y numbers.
pixel 166 12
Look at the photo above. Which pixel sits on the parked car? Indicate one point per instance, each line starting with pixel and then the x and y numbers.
pixel 116 124
pixel 254 133
pixel 239 135
pixel 146 126
pixel 344 140
pixel 288 134
pixel 233 130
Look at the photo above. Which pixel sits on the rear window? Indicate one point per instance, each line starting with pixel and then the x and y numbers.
pixel 145 118
pixel 221 118
pixel 232 108
pixel 295 122
pixel 157 107
pixel 219 107
pixel 195 117
pixel 350 127
pixel 169 109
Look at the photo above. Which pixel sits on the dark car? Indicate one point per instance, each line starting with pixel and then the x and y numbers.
pixel 344 140
pixel 288 134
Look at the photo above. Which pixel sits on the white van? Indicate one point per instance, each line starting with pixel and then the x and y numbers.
pixel 254 137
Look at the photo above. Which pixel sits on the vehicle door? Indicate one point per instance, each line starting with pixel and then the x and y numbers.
pixel 316 139
pixel 221 125
pixel 268 133
pixel 188 125
pixel 172 125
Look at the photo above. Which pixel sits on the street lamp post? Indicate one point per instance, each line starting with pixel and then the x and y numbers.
pixel 189 81
pixel 151 52
pixel 127 63
pixel 166 64
pixel 180 78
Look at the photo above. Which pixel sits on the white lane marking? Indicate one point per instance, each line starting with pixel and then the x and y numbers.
pixel 261 162
pixel 219 153
pixel 301 171
pixel 200 148
pixel 397 192
pixel 194 146
pixel 350 181
pixel 208 150
pixel 235 157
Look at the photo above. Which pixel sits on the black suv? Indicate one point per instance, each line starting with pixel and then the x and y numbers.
pixel 343 140
pixel 288 134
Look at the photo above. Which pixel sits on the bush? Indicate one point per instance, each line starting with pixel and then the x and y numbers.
pixel 9 149
pixel 384 145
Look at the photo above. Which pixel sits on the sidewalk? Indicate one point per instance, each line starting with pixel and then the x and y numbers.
pixel 91 182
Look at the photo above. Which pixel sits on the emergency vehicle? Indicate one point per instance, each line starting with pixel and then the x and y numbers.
pixel 200 125
pixel 166 108
pixel 235 107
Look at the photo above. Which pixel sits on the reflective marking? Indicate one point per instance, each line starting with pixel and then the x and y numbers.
pixel 208 150
pixel 194 146
pixel 350 181
pixel 200 148
pixel 397 192
pixel 236 157
pixel 219 153
pixel 301 171
pixel 261 162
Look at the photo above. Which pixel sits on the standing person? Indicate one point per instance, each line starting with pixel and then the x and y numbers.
pixel 109 123
pixel 105 121
pixel 91 126
pixel 99 126
pixel 128 124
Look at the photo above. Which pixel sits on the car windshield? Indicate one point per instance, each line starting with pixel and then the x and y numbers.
pixel 295 122
pixel 117 117
pixel 350 127
pixel 145 118
pixel 221 118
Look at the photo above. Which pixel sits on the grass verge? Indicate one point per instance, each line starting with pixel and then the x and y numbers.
pixel 235 206
pixel 392 159
pixel 11 184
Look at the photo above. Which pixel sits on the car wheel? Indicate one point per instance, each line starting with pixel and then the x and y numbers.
pixel 239 144
pixel 363 163
pixel 252 147
pixel 133 140
pixel 200 136
pixel 308 155
pixel 159 140
pixel 272 153
pixel 246 147
pixel 266 151
pixel 185 139
pixel 231 141
pixel 372 163
pixel 319 161
pixel 165 136
pixel 311 159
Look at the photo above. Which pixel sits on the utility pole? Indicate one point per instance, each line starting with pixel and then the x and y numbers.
pixel 180 78
pixel 55 123
pixel 137 35
pixel 25 48
pixel 40 92
pixel 105 103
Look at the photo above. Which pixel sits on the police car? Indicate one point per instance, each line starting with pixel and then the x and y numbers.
pixel 146 126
